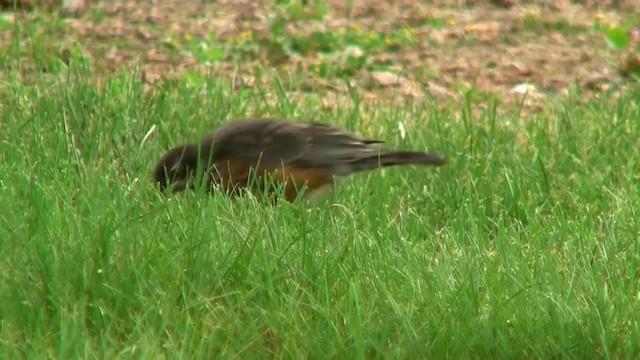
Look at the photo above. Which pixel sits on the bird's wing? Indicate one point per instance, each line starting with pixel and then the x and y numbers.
pixel 267 142
pixel 330 146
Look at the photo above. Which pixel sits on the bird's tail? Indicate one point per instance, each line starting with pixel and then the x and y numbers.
pixel 393 158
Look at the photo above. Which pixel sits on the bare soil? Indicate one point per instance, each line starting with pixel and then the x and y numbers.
pixel 490 47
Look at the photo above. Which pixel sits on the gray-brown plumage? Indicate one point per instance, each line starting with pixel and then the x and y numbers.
pixel 299 154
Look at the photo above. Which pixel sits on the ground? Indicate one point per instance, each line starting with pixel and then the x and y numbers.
pixel 525 245
pixel 404 49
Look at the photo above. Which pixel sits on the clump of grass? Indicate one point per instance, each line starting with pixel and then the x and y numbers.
pixel 525 245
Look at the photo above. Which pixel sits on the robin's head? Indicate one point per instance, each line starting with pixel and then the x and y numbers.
pixel 176 168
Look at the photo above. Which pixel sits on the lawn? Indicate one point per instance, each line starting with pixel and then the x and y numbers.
pixel 526 245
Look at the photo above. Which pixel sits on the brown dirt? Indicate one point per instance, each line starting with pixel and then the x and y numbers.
pixel 546 50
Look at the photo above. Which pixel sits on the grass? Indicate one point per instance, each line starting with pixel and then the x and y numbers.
pixel 524 246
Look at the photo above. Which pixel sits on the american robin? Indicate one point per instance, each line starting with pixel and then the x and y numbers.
pixel 295 155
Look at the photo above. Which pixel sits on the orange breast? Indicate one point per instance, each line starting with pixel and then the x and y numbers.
pixel 234 176
pixel 297 179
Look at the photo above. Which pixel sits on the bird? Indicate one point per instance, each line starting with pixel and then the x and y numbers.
pixel 261 155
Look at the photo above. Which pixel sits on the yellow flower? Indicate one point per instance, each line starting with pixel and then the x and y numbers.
pixel 245 36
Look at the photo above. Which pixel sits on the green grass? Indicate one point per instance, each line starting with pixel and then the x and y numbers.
pixel 524 246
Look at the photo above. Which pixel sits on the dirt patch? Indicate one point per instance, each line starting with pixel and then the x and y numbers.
pixel 441 50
